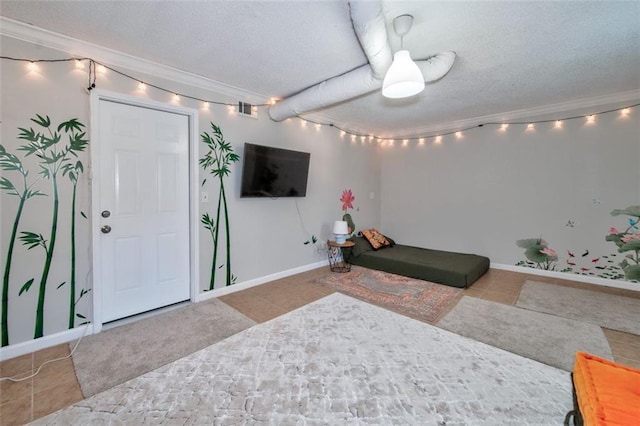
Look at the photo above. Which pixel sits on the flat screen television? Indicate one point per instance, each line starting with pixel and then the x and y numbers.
pixel 274 172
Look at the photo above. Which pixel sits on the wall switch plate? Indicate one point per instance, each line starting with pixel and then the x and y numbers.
pixel 204 197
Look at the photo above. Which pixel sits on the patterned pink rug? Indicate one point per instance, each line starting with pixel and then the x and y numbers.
pixel 422 300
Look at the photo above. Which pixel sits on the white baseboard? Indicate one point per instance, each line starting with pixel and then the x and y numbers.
pixel 569 276
pixel 23 348
pixel 44 342
pixel 257 281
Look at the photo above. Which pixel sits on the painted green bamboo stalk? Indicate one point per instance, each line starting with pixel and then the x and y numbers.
pixel 217 161
pixel 73 171
pixel 52 160
pixel 10 162
pixel 215 248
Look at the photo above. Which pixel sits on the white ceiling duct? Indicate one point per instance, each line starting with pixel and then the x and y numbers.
pixel 369 25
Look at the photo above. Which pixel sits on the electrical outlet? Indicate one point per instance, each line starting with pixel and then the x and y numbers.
pixel 204 197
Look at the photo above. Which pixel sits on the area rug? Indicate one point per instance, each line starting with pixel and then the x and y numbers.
pixel 546 338
pixel 114 356
pixel 606 310
pixel 418 299
pixel 337 361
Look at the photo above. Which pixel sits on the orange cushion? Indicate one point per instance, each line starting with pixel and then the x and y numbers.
pixel 608 393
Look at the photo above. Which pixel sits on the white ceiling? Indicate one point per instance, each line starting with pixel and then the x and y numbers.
pixel 512 55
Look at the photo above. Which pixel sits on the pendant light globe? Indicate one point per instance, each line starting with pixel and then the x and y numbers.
pixel 404 78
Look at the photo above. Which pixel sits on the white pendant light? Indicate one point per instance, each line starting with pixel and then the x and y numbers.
pixel 403 79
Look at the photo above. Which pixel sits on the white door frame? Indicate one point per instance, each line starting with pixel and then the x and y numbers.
pixel 194 211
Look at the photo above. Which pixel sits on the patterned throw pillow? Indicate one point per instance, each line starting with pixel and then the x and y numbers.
pixel 375 238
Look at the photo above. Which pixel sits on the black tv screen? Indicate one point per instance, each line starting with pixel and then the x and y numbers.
pixel 274 172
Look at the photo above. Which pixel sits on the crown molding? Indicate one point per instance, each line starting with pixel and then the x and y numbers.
pixel 32 34
pixel 632 96
pixel 75 47
pixel 620 99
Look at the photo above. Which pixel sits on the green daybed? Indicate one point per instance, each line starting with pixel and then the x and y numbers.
pixel 453 269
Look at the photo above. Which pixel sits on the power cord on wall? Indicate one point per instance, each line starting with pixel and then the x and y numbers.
pixel 21 379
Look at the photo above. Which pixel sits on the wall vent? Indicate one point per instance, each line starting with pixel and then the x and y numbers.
pixel 247 110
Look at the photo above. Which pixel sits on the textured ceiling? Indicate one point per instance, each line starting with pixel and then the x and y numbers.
pixel 511 54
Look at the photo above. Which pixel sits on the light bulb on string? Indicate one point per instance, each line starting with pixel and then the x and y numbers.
pixel 625 112
pixel 205 105
pixel 438 139
pixel 591 119
pixel 79 64
pixel 142 87
pixel 458 135
pixel 504 126
pixel 33 67
pixel 558 124
pixel 531 126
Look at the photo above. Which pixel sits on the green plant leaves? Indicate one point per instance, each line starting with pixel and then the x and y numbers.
pixel 629 211
pixel 25 287
pixel 32 240
pixel 42 121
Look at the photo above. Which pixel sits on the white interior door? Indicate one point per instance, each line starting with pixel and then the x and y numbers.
pixel 144 208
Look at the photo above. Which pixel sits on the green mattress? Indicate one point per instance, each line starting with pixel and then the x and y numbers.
pixel 453 269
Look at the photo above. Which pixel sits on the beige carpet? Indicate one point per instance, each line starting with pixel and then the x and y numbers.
pixel 114 356
pixel 594 307
pixel 546 338
pixel 336 361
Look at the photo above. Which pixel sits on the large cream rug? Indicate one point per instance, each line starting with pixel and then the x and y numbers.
pixel 337 361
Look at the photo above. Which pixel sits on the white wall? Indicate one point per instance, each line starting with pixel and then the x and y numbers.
pixel 490 188
pixel 266 235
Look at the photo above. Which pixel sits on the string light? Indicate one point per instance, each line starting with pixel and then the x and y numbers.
pixel 176 97
pixel 421 141
pixel 318 127
pixel 95 67
pixel 353 138
pixel 405 142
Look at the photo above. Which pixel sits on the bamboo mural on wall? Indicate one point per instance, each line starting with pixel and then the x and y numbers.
pixel 56 149
pixel 217 162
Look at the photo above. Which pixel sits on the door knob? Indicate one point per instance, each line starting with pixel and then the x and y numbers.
pixel 105 213
pixel 105 229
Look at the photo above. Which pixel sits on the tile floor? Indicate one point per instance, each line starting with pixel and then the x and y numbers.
pixel 57 387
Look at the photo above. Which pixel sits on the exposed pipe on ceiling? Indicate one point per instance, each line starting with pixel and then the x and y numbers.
pixel 371 30
pixel 369 26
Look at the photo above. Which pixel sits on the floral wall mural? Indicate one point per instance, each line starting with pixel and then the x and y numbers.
pixel 623 264
pixel 57 149
pixel 347 200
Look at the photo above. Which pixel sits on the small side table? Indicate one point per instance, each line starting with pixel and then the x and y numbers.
pixel 339 255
